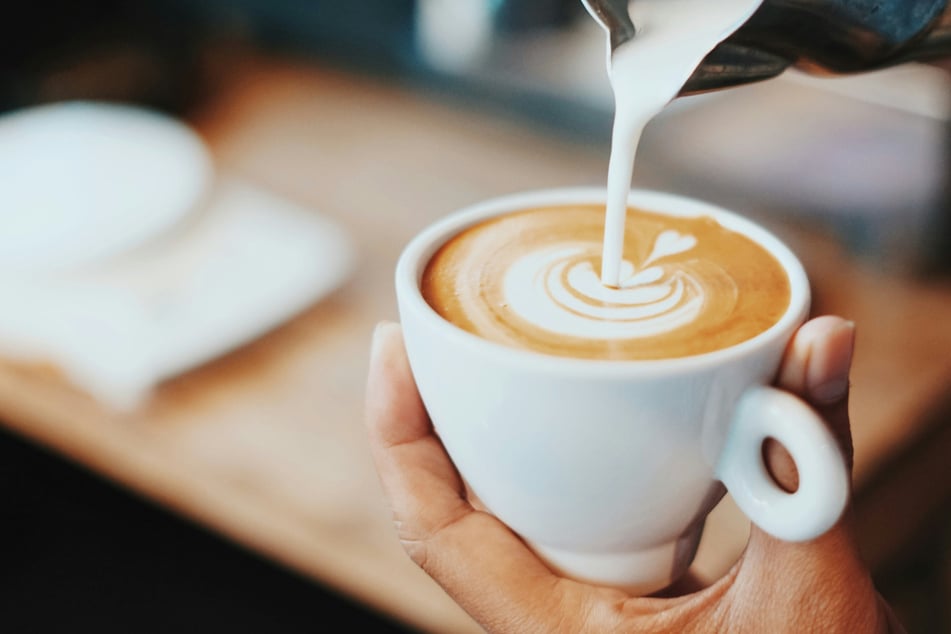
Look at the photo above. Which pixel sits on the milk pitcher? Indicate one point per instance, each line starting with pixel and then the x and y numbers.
pixel 826 37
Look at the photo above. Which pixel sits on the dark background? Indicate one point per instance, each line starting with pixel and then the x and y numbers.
pixel 78 555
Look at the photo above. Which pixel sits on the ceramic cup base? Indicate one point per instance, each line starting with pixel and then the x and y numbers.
pixel 639 572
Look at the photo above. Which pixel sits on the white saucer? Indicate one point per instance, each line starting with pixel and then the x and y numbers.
pixel 83 181
pixel 125 260
pixel 249 261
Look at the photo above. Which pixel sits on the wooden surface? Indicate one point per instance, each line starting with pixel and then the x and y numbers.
pixel 267 445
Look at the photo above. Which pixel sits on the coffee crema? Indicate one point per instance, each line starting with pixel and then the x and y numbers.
pixel 530 279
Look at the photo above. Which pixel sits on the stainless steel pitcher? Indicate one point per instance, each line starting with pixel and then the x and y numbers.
pixel 827 36
pixel 818 36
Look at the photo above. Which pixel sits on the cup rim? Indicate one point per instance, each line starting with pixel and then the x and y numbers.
pixel 421 248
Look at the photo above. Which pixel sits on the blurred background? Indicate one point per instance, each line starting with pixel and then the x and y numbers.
pixel 818 144
pixel 231 497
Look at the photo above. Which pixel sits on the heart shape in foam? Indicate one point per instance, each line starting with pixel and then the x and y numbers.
pixel 670 242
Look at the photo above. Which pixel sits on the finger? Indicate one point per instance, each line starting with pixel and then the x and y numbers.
pixel 418 478
pixel 486 568
pixel 816 368
pixel 395 412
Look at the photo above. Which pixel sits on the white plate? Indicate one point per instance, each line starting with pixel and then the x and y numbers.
pixel 82 181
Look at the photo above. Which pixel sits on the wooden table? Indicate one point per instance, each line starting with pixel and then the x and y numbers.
pixel 267 445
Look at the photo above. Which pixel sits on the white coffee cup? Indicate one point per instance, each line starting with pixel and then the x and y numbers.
pixel 607 469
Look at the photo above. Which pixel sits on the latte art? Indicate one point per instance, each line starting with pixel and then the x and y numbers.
pixel 531 279
pixel 559 290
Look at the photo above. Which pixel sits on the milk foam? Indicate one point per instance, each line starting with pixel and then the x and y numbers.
pixel 529 279
pixel 558 290
pixel 646 73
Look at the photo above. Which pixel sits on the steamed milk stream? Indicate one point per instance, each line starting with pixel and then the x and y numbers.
pixel 572 280
pixel 673 37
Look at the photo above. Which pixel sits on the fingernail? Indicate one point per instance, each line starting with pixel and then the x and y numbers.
pixel 376 347
pixel 376 338
pixel 827 377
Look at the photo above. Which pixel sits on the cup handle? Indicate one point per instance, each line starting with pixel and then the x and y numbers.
pixel 766 412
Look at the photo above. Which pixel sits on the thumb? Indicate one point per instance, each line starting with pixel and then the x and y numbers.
pixel 816 368
pixel 829 568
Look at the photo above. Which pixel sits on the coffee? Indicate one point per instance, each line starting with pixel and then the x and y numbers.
pixel 529 279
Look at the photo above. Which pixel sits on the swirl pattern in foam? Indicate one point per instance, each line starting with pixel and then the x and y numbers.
pixel 530 279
